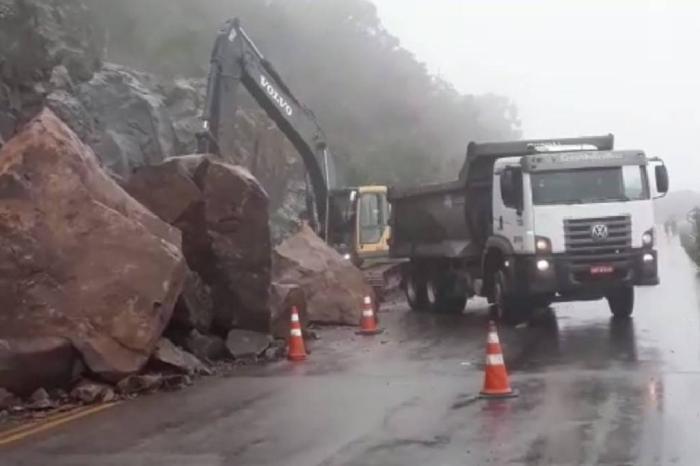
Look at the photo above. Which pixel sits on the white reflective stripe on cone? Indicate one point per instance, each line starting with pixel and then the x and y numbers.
pixel 368 313
pixel 368 300
pixel 295 317
pixel 493 337
pixel 295 332
pixel 494 360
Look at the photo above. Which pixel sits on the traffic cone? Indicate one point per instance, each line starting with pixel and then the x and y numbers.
pixel 297 351
pixel 496 384
pixel 368 324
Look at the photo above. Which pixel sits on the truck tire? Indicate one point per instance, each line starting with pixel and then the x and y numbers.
pixel 415 290
pixel 621 302
pixel 506 308
pixel 433 293
pixel 443 295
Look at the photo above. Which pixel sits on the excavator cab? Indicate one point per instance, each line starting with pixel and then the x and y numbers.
pixel 358 222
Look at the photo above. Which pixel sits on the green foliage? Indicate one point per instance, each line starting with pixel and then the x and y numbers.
pixel 387 119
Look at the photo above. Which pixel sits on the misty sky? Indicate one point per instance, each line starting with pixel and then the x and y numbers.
pixel 630 67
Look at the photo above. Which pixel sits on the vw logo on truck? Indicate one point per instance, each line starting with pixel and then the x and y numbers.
pixel 599 232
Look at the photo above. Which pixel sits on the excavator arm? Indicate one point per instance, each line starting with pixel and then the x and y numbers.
pixel 236 60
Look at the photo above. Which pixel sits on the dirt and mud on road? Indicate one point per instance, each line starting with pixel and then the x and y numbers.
pixel 592 391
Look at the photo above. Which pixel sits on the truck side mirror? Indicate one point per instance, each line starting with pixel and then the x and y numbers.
pixel 661 174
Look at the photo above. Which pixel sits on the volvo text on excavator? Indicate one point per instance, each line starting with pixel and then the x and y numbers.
pixel 353 220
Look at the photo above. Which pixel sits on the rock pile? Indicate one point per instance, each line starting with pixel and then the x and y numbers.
pixel 116 257
pixel 221 210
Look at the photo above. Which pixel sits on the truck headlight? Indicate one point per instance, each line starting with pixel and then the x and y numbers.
pixel 347 257
pixel 542 265
pixel 648 238
pixel 543 245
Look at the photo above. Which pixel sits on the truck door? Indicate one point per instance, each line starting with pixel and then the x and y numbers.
pixel 508 205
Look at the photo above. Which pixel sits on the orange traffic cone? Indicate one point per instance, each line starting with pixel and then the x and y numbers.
pixel 297 351
pixel 496 384
pixel 368 324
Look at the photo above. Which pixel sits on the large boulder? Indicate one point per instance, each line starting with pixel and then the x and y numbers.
pixel 222 212
pixel 333 287
pixel 205 347
pixel 80 258
pixel 194 308
pixel 27 364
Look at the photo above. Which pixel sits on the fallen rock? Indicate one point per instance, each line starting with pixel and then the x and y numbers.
pixel 27 364
pixel 222 213
pixel 139 383
pixel 276 351
pixel 79 258
pixel 194 308
pixel 244 344
pixel 284 296
pixel 333 287
pixel 40 399
pixel 88 391
pixel 176 381
pixel 206 347
pixel 172 357
pixel 8 399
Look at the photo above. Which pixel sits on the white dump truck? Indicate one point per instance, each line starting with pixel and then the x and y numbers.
pixel 529 223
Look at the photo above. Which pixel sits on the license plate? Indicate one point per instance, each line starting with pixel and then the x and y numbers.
pixel 602 269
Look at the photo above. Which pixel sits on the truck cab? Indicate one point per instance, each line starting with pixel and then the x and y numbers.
pixel 574 226
pixel 531 222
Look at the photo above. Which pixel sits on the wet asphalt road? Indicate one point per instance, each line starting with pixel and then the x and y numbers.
pixel 592 391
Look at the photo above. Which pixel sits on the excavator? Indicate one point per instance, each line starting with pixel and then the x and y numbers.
pixel 352 220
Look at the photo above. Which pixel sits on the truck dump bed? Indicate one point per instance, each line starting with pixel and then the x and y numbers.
pixel 453 220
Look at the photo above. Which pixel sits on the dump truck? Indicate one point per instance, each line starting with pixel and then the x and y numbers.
pixel 531 222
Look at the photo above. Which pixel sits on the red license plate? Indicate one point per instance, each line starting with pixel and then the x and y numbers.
pixel 602 269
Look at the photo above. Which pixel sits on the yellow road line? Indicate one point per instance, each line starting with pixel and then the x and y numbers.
pixel 21 432
pixel 52 417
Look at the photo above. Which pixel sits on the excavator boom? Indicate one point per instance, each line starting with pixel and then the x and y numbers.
pixel 236 60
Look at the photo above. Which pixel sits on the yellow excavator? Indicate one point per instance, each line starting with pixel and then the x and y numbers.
pixel 353 220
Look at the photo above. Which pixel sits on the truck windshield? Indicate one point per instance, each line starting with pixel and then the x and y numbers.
pixel 590 185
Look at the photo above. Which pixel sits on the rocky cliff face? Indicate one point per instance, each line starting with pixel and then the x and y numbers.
pixel 44 44
pixel 50 54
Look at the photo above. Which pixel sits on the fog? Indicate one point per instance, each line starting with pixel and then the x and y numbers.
pixel 572 67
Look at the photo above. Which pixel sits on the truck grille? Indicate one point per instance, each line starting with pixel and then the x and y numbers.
pixel 584 247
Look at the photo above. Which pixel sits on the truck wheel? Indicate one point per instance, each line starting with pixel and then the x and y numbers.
pixel 504 304
pixel 415 290
pixel 432 296
pixel 621 302
pixel 442 295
